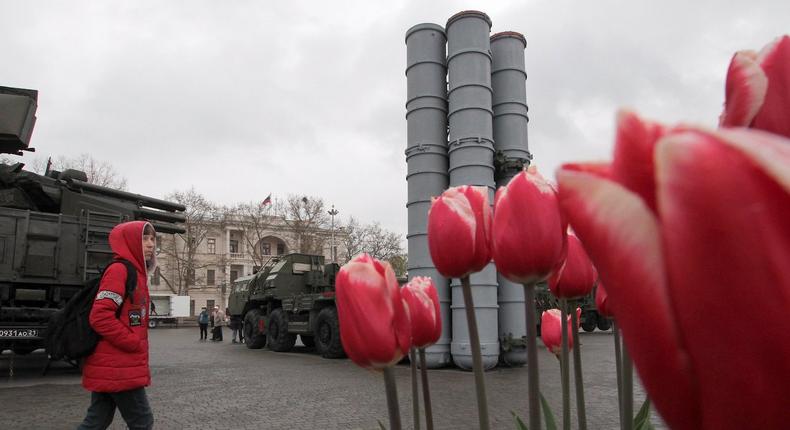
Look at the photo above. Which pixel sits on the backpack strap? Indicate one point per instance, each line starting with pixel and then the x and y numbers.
pixel 131 282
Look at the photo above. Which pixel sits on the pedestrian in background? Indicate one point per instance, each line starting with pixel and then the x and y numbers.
pixel 235 325
pixel 203 323
pixel 219 321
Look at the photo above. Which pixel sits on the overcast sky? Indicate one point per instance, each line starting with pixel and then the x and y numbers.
pixel 241 99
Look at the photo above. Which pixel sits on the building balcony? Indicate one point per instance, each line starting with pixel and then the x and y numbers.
pixel 237 255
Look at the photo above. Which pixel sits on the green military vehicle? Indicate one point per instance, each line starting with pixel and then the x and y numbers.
pixel 292 295
pixel 590 318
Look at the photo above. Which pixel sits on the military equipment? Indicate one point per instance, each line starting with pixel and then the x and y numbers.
pixel 54 230
pixel 590 318
pixel 292 295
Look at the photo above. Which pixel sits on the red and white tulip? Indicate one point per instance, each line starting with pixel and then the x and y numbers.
pixel 374 320
pixel 459 231
pixel 710 240
pixel 577 275
pixel 758 89
pixel 528 231
pixel 423 302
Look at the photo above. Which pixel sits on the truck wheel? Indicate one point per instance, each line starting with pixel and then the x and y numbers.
pixel 279 338
pixel 604 324
pixel 152 323
pixel 254 331
pixel 308 341
pixel 588 324
pixel 327 334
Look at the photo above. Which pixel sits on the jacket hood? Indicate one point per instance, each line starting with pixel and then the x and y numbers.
pixel 126 241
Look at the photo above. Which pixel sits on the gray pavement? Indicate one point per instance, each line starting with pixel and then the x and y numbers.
pixel 205 385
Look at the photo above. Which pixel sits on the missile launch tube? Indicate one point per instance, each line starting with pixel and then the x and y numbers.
pixel 426 158
pixel 508 81
pixel 471 156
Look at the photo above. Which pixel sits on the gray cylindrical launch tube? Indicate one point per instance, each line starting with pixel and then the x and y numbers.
pixel 471 156
pixel 508 81
pixel 426 158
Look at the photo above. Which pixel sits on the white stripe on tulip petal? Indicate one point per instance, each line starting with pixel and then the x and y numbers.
pixel 459 204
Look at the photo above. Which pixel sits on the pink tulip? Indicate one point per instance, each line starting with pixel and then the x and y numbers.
pixel 602 301
pixel 459 229
pixel 528 231
pixel 716 247
pixel 551 330
pixel 758 89
pixel 374 319
pixel 423 303
pixel 577 275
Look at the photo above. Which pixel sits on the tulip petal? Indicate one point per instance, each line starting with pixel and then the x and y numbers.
pixel 775 62
pixel 621 235
pixel 724 200
pixel 632 165
pixel 744 90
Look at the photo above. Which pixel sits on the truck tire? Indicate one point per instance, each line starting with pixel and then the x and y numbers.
pixel 279 338
pixel 588 324
pixel 308 341
pixel 327 334
pixel 604 324
pixel 254 338
pixel 152 323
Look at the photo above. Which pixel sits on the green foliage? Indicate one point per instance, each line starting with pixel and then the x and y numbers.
pixel 381 425
pixel 642 418
pixel 551 422
pixel 519 423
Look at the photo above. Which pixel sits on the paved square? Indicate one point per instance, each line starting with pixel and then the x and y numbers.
pixel 205 385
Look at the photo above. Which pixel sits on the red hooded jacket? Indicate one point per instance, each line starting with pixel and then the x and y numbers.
pixel 120 361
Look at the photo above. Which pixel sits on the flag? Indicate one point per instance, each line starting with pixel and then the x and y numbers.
pixel 267 200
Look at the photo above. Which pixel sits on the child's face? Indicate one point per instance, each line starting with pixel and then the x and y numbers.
pixel 149 245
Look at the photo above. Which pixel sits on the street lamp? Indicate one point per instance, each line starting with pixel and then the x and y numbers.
pixel 332 212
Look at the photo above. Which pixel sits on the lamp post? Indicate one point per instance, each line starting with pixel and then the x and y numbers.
pixel 332 212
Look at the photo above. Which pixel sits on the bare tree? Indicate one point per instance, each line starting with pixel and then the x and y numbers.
pixel 305 217
pixel 372 239
pixel 257 220
pixel 183 247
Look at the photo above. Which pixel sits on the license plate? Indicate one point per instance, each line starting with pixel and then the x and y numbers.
pixel 19 333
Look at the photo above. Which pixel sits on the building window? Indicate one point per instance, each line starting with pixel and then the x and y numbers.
pixel 212 245
pixel 234 246
pixel 233 275
pixel 210 277
pixel 157 277
pixel 210 306
pixel 266 248
pixel 191 307
pixel 280 248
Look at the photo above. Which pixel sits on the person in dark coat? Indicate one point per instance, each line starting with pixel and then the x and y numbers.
pixel 203 319
pixel 117 372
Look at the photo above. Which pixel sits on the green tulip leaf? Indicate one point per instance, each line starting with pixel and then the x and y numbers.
pixel 551 422
pixel 519 423
pixel 381 425
pixel 642 418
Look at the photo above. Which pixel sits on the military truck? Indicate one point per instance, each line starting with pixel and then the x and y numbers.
pixel 54 229
pixel 292 295
pixel 590 318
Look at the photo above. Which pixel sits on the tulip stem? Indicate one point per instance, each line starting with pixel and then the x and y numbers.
pixel 565 374
pixel 581 412
pixel 628 390
pixel 392 398
pixel 426 392
pixel 532 357
pixel 618 360
pixel 415 391
pixel 477 358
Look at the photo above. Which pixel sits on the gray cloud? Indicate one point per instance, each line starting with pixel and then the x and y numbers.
pixel 242 99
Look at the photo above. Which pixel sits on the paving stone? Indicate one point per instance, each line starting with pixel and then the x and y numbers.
pixel 206 385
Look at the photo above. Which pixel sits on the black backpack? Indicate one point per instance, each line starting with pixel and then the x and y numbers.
pixel 69 333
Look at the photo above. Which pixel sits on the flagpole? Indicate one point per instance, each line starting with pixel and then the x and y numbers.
pixel 332 252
